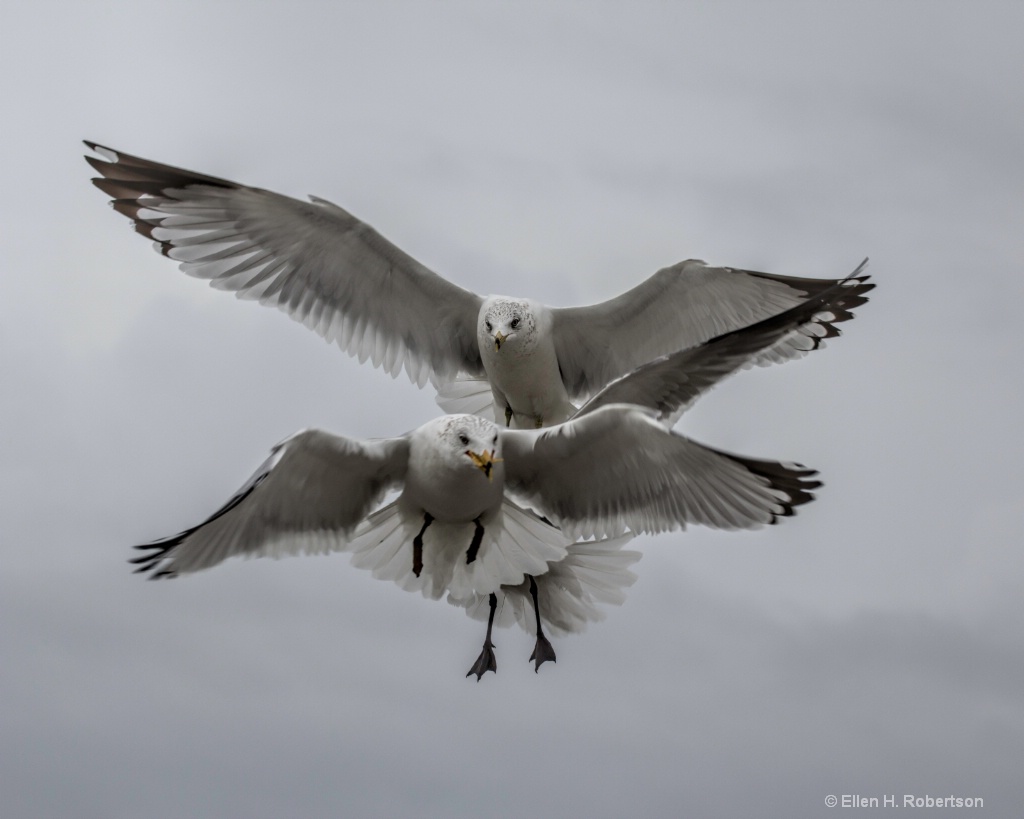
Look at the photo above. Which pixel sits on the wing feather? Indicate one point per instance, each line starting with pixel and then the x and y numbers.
pixel 673 382
pixel 677 308
pixel 306 498
pixel 617 468
pixel 313 260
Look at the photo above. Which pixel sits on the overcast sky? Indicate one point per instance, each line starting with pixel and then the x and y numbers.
pixel 871 645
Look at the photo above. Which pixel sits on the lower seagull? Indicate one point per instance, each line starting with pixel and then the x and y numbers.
pixel 614 470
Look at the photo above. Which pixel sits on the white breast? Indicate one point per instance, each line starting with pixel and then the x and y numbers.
pixel 524 372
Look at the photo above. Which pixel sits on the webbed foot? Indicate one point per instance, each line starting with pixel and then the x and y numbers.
pixel 485 662
pixel 542 652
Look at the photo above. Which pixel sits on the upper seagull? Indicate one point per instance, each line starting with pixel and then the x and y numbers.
pixel 340 277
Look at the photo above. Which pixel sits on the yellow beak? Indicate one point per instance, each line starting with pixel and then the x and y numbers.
pixel 499 339
pixel 485 462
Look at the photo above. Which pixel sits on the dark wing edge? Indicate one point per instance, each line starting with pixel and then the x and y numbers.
pixel 602 342
pixel 662 481
pixel 329 484
pixel 671 383
pixel 792 481
pixel 159 550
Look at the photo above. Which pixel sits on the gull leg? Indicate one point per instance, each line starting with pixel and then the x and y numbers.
pixel 417 545
pixel 486 661
pixel 542 651
pixel 474 546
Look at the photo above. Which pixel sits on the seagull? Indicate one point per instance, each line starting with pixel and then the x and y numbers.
pixel 537 516
pixel 333 272
pixel 454 526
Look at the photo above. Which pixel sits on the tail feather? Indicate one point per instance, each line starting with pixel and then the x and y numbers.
pixel 516 543
pixel 378 544
pixel 593 572
pixel 468 395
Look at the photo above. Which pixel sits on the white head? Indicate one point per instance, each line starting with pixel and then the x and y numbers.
pixel 461 441
pixel 507 325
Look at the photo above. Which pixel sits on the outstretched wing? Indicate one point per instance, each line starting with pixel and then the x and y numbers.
pixel 671 383
pixel 619 468
pixel 677 308
pixel 306 498
pixel 313 260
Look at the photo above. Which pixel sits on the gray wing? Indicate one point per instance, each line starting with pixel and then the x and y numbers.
pixel 307 497
pixel 313 260
pixel 619 468
pixel 671 383
pixel 677 308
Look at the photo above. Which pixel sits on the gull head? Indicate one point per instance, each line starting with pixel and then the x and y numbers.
pixel 506 325
pixel 470 440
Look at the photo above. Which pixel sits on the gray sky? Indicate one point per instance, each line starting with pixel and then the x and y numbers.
pixel 872 645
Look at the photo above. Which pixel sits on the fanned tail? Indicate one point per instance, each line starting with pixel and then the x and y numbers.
pixel 382 544
pixel 593 572
pixel 516 543
pixel 468 395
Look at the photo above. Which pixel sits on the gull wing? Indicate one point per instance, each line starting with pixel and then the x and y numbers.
pixel 672 383
pixel 306 498
pixel 618 468
pixel 677 308
pixel 313 260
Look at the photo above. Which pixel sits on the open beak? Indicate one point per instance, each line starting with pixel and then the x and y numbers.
pixel 485 462
pixel 499 339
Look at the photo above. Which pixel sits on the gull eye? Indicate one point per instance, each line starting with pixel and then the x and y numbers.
pixel 515 322
pixel 495 441
pixel 464 438
pixel 487 324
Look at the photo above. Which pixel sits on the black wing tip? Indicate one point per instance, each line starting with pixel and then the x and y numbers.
pixel 837 296
pixel 153 567
pixel 109 155
pixel 158 552
pixel 133 174
pixel 840 300
pixel 795 481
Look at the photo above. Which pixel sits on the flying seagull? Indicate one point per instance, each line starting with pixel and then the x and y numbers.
pixel 455 527
pixel 340 277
